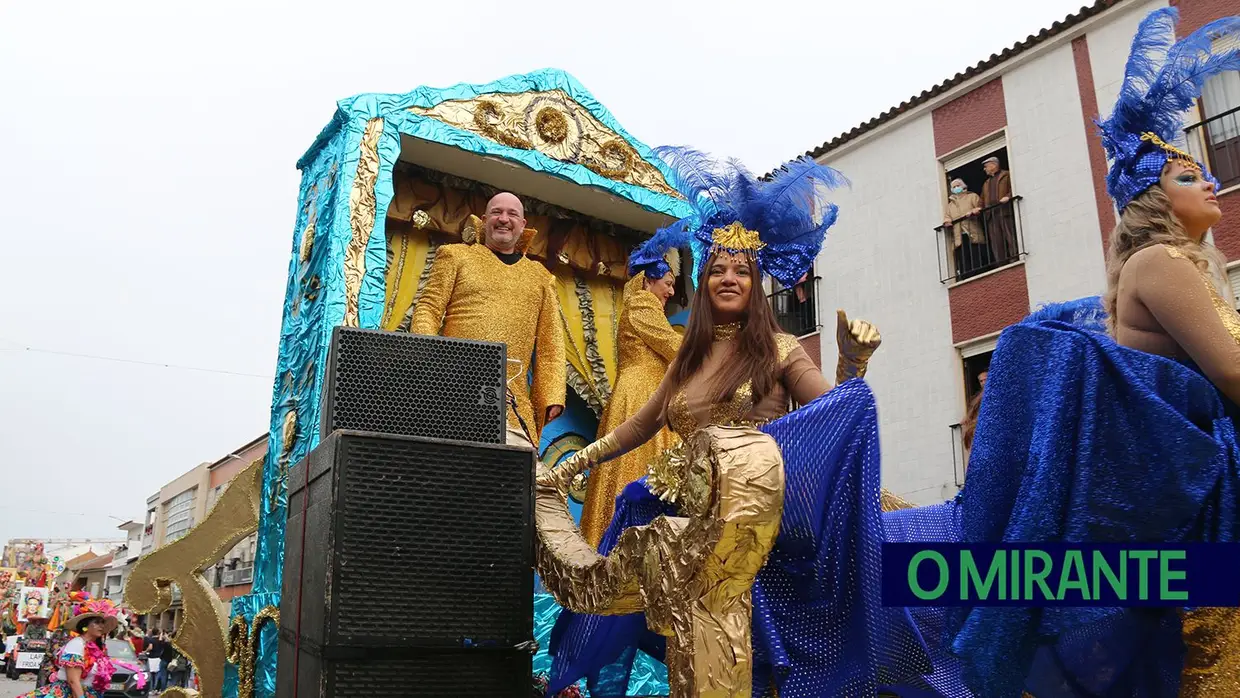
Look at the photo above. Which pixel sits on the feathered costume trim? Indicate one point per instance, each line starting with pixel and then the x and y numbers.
pixel 1162 80
pixel 781 221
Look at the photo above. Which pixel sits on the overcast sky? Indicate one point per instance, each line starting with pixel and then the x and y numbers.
pixel 148 186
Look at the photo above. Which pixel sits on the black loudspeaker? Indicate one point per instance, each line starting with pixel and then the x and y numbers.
pixel 415 385
pixel 407 560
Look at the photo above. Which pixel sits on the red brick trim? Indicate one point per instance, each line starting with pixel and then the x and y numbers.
pixel 988 304
pixel 969 117
pixel 1196 14
pixel 1097 157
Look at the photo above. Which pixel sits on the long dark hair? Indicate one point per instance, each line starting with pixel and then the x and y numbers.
pixel 757 356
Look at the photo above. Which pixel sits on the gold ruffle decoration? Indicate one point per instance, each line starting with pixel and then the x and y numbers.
pixel 691 575
pixel 361 217
pixel 555 125
pixel 203 634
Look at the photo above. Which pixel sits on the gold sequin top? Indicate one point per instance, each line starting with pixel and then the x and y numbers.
pixel 688 408
pixel 1167 306
pixel 472 294
pixel 647 343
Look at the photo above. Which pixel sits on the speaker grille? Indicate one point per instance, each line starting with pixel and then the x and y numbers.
pixel 462 673
pixel 442 529
pixel 415 385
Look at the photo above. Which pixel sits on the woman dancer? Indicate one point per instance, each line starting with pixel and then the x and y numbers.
pixel 816 594
pixel 1122 438
pixel 84 669
pixel 647 345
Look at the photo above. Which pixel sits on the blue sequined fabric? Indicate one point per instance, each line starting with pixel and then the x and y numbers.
pixel 1080 439
pixel 817 623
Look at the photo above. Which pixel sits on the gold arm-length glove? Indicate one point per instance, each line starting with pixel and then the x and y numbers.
pixel 562 476
pixel 857 341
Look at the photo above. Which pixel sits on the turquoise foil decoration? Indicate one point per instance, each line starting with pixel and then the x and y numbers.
pixel 315 294
pixel 265 666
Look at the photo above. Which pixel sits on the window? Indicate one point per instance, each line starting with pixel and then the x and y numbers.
pixel 975 368
pixel 980 229
pixel 179 515
pixel 796 307
pixel 1218 132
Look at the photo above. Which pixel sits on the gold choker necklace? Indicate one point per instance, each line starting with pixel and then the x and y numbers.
pixel 727 331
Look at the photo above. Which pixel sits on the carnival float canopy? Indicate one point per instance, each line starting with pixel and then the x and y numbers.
pixel 388 180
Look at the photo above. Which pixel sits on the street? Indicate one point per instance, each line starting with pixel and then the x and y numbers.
pixel 12 689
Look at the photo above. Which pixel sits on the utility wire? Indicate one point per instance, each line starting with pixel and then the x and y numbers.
pixel 137 362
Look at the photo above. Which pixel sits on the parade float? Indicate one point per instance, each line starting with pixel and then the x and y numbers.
pixel 390 179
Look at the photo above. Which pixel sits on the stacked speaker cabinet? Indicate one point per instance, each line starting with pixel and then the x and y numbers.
pixel 415 385
pixel 408 559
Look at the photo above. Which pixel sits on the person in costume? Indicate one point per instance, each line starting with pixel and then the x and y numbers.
pixel 1111 421
pixel 493 292
pixel 788 575
pixel 647 344
pixel 84 669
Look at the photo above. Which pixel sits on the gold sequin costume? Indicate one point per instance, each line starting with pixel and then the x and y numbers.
pixel 473 294
pixel 647 344
pixel 692 576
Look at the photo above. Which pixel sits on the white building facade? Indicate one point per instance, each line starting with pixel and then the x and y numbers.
pixel 888 259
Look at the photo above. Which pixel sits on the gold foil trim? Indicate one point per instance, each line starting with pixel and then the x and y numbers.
pixel 553 124
pixel 691 575
pixel 361 217
pixel 202 636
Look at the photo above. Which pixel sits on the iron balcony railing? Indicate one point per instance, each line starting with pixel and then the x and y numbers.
pixel 989 239
pixel 796 308
pixel 1216 141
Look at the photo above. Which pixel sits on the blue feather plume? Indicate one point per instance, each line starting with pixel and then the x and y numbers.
pixel 649 257
pixel 790 212
pixel 1162 79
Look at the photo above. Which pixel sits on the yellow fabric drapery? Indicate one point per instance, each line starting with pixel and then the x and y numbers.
pixel 407 253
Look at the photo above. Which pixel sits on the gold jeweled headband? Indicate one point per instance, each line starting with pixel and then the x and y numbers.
pixel 1176 154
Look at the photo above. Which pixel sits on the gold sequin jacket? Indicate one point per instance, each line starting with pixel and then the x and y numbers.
pixel 472 294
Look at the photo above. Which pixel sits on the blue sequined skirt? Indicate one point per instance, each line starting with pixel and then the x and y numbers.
pixel 1078 439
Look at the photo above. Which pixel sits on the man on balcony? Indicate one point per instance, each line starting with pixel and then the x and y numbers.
pixel 997 216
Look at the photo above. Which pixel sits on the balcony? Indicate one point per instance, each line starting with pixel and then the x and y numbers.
pixel 1216 142
pixel 796 308
pixel 989 239
pixel 241 575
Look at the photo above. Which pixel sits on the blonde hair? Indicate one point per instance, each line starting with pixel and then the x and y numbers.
pixel 1148 220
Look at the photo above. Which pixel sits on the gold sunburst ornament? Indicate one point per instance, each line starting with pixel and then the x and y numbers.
pixel 735 237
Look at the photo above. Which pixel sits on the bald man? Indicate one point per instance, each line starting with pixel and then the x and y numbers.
pixel 493 292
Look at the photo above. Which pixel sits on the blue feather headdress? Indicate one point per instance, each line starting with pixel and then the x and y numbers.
pixel 781 221
pixel 1162 80
pixel 652 257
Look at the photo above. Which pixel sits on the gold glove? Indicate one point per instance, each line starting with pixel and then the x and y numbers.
pixel 857 341
pixel 562 476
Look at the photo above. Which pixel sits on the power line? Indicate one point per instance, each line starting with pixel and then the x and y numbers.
pixel 137 362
